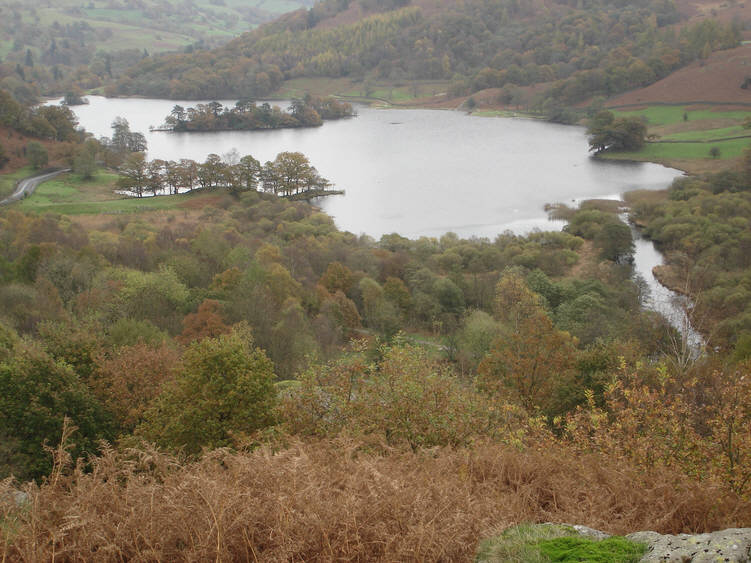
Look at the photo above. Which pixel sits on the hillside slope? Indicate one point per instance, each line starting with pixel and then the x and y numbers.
pixel 718 79
pixel 600 47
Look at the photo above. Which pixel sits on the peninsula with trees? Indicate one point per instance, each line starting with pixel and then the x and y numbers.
pixel 246 115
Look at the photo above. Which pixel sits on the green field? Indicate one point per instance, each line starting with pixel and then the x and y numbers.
pixel 693 132
pixel 661 152
pixel 709 134
pixel 70 195
pixel 669 115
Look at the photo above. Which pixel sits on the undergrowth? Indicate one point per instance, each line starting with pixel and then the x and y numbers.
pixel 342 500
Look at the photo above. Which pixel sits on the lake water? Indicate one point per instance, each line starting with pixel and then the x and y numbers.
pixel 425 172
pixel 414 172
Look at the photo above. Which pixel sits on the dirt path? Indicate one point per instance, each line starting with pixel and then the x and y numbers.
pixel 27 186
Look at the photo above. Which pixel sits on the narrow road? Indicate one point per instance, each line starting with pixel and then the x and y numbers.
pixel 27 186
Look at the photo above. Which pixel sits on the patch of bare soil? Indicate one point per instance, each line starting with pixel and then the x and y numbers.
pixel 715 80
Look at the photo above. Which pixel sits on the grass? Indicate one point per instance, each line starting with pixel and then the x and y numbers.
pixel 610 550
pixel 665 152
pixel 8 181
pixel 668 115
pixel 547 543
pixel 70 195
pixel 708 134
pixel 687 134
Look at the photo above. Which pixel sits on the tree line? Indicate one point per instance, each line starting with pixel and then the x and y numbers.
pixel 290 173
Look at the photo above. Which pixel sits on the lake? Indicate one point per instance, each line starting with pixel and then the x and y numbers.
pixel 414 172
pixel 426 172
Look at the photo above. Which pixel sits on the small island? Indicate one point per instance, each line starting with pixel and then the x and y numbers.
pixel 309 111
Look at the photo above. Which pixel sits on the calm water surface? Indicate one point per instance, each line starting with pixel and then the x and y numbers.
pixel 415 172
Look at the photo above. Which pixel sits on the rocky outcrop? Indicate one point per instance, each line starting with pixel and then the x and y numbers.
pixel 732 545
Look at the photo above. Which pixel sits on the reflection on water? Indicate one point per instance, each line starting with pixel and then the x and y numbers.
pixel 436 171
pixel 674 307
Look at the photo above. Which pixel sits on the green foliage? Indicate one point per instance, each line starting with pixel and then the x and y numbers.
pixel 608 133
pixel 246 115
pixel 405 397
pixel 37 155
pixel 36 394
pixel 223 393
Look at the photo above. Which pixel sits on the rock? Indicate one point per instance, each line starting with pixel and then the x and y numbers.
pixel 14 497
pixel 732 545
pixel 590 532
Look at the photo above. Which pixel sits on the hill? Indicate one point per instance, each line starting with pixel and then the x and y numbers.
pixel 48 47
pixel 576 49
pixel 719 79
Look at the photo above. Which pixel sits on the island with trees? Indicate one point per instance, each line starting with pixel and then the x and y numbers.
pixel 289 175
pixel 246 115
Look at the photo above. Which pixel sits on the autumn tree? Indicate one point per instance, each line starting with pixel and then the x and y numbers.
pixel 128 379
pixel 207 322
pixel 134 173
pixel 531 365
pixel 407 398
pixel 224 390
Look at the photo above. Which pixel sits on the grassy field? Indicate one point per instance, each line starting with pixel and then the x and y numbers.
pixel 8 181
pixel 694 132
pixel 664 152
pixel 668 115
pixel 69 195
pixel 399 94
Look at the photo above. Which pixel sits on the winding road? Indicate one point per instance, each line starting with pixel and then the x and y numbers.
pixel 27 186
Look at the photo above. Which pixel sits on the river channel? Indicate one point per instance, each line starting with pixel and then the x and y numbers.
pixel 422 172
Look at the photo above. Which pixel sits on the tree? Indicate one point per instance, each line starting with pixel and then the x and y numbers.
pixel 223 391
pixel 532 364
pixel 155 175
pixel 36 394
pixel 206 322
pixel 249 172
pixel 84 162
pixel 134 176
pixel 128 379
pixel 606 132
pixel 3 157
pixel 615 242
pixel 37 154
pixel 124 140
pixel 211 171
pixel 407 399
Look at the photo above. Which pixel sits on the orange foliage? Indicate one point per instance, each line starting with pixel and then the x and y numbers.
pixel 129 379
pixel 333 500
pixel 701 427
pixel 530 364
pixel 207 322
